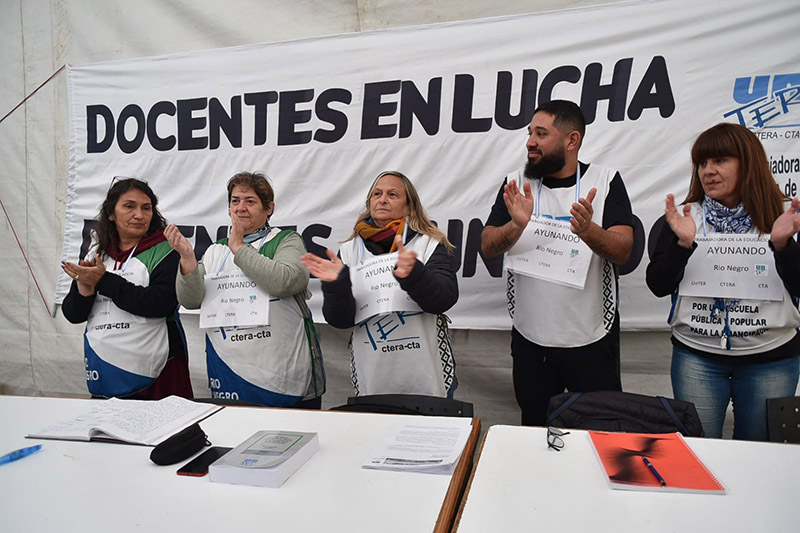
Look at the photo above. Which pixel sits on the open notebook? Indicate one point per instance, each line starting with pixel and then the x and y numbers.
pixel 131 421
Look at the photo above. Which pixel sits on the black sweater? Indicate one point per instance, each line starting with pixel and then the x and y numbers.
pixel 159 299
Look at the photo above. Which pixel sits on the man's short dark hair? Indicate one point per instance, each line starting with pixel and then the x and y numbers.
pixel 567 116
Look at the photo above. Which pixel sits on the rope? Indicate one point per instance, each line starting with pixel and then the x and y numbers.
pixel 14 231
pixel 34 92
pixel 30 269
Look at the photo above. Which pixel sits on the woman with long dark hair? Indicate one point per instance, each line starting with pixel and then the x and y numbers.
pixel 731 262
pixel 124 289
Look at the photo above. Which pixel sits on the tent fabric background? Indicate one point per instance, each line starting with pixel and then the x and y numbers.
pixel 706 48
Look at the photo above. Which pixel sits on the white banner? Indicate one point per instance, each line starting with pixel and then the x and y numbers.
pixel 447 105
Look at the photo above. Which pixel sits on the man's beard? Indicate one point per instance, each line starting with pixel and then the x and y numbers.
pixel 547 165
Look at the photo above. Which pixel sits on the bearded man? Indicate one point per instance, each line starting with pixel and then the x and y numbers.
pixel 566 226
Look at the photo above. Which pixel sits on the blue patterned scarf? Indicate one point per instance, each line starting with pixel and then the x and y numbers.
pixel 257 234
pixel 724 219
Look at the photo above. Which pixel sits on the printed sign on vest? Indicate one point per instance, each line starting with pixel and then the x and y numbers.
pixel 233 299
pixel 548 250
pixel 732 266
pixel 376 290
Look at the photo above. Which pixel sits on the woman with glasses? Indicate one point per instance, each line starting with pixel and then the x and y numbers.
pixel 251 289
pixel 124 289
pixel 731 262
pixel 392 283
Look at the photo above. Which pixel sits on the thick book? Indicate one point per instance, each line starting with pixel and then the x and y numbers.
pixel 266 459
pixel 144 422
pixel 657 462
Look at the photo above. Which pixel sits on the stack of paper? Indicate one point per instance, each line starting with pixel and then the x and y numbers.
pixel 431 447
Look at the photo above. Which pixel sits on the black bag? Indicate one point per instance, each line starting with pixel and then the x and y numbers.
pixel 180 446
pixel 624 412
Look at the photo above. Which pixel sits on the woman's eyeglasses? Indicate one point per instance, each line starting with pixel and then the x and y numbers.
pixel 120 178
pixel 554 438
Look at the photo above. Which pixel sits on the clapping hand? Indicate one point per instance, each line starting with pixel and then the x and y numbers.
pixel 323 269
pixel 236 238
pixel 785 226
pixel 406 259
pixel 519 205
pixel 682 225
pixel 85 273
pixel 178 242
pixel 582 212
pixel 184 248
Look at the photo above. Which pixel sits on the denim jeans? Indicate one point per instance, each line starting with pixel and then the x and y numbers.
pixel 711 385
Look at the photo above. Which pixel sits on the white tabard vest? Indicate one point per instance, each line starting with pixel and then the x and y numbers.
pixel 550 314
pixel 124 353
pixel 756 326
pixel 267 364
pixel 400 352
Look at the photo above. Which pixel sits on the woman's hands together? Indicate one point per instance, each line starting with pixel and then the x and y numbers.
pixel 85 273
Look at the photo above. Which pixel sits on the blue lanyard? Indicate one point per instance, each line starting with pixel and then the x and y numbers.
pixel 720 304
pixel 705 229
pixel 538 206
pixel 130 256
pixel 228 253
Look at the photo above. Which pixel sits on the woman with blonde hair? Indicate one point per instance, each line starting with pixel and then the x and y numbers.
pixel 392 282
pixel 731 262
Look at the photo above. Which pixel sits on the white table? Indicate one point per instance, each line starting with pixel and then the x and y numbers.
pixel 80 486
pixel 519 484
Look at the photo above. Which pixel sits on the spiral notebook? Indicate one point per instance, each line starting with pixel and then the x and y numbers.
pixel 657 462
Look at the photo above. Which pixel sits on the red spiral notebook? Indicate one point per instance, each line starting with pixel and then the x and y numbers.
pixel 670 465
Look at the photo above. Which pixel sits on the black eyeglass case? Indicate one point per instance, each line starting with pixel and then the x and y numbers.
pixel 180 446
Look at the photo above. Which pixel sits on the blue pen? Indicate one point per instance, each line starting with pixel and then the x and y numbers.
pixel 654 471
pixel 19 454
